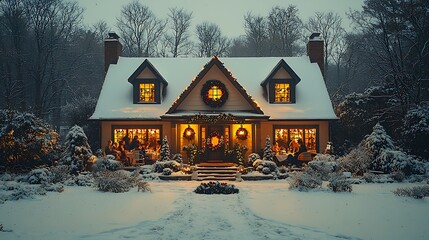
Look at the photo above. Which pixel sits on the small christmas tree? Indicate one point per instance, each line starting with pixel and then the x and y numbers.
pixel 77 150
pixel 165 150
pixel 268 152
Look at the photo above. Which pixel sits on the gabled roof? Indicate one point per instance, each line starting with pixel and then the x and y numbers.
pixel 215 62
pixel 116 97
pixel 281 64
pixel 143 66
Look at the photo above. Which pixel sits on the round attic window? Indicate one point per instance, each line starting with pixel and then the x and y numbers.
pixel 214 93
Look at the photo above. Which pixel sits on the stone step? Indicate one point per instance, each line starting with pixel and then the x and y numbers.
pixel 216 175
pixel 216 168
pixel 217 171
pixel 216 178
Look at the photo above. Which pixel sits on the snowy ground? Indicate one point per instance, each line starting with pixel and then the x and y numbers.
pixel 262 210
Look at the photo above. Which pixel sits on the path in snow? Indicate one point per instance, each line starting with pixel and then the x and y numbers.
pixel 213 217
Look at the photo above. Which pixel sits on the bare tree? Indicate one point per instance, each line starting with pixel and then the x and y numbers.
pixel 100 29
pixel 14 25
pixel 50 22
pixel 283 28
pixel 178 39
pixel 256 33
pixel 140 29
pixel 399 42
pixel 330 26
pixel 211 40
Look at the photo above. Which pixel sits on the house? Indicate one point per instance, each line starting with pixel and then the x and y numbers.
pixel 215 103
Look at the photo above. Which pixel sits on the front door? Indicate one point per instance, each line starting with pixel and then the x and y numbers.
pixel 216 146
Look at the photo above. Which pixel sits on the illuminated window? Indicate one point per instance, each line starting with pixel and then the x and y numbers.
pixel 284 136
pixel 147 92
pixel 214 93
pixel 281 92
pixel 146 136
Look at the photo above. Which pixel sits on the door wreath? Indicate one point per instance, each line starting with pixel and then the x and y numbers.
pixel 215 141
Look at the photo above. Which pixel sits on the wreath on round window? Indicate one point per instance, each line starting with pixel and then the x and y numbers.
pixel 219 144
pixel 214 102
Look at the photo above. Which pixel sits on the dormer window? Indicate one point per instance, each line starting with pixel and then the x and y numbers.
pixel 282 92
pixel 280 85
pixel 148 85
pixel 147 93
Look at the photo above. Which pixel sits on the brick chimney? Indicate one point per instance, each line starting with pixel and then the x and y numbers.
pixel 112 50
pixel 315 51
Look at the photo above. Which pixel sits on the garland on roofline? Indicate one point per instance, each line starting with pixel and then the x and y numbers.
pixel 202 118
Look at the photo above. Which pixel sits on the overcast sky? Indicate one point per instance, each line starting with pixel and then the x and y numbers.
pixel 228 14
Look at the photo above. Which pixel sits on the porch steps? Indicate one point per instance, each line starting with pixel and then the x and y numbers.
pixel 216 173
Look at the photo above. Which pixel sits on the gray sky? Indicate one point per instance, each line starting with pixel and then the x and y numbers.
pixel 228 14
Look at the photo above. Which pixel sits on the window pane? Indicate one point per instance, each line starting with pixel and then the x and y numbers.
pixel 148 137
pixel 281 92
pixel 118 134
pixel 310 138
pixel 147 92
pixel 214 93
pixel 284 137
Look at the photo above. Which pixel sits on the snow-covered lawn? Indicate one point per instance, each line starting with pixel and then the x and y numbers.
pixel 262 210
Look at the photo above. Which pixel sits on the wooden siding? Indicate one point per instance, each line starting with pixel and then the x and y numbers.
pixel 235 102
pixel 282 74
pixel 146 74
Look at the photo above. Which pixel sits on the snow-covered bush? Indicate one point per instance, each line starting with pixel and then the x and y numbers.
pixel 77 150
pixel 178 158
pixel 339 183
pixel 173 165
pixel 321 168
pixel 303 181
pixel 252 158
pixel 324 157
pixel 116 182
pixel 60 173
pixel 108 163
pixel 216 188
pixel 268 151
pixel 39 176
pixel 6 177
pixel 398 176
pixel 165 150
pixel 266 170
pixel 26 140
pixel 80 180
pixel 12 191
pixel 167 171
pixel 417 192
pixel 415 127
pixel 53 187
pixel 259 165
pixel 357 161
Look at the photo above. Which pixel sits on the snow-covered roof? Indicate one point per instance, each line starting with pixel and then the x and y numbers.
pixel 116 97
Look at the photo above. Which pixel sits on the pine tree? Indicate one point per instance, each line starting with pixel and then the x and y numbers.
pixel 165 150
pixel 77 150
pixel 268 152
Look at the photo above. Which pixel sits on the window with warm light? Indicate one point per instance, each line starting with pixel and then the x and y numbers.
pixel 147 92
pixel 148 136
pixel 282 93
pixel 214 93
pixel 283 136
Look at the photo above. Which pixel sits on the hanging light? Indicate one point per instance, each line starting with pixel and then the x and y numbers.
pixel 189 133
pixel 241 133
